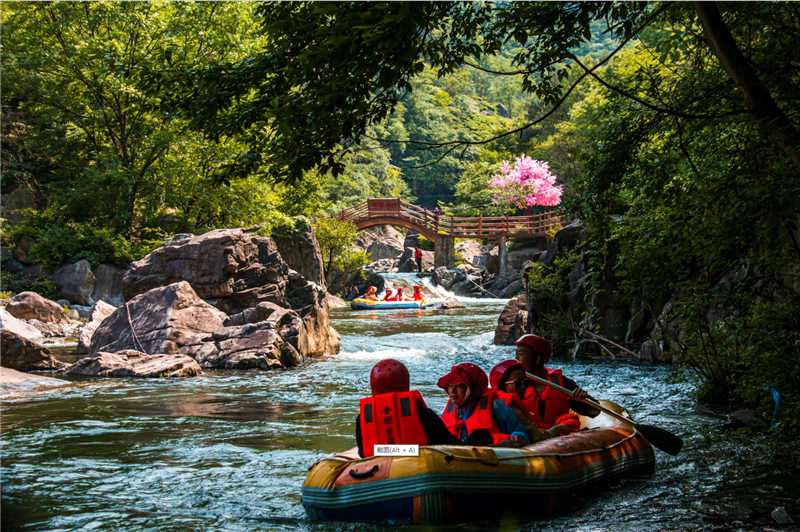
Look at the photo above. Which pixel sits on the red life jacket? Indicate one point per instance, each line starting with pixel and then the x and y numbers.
pixel 481 418
pixel 524 406
pixel 418 296
pixel 556 403
pixel 399 297
pixel 418 254
pixel 391 418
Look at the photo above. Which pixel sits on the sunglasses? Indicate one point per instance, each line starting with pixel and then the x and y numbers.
pixel 520 385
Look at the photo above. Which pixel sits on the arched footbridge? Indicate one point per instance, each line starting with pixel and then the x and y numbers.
pixel 443 230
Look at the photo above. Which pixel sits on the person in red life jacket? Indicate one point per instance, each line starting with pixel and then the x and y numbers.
pixel 509 380
pixel 389 296
pixel 472 406
pixel 417 294
pixel 418 257
pixel 395 415
pixel 400 296
pixel 552 406
pixel 371 295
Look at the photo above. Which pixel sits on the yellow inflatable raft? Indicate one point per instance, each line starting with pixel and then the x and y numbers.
pixel 460 483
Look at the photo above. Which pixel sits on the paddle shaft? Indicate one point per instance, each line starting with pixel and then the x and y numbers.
pixel 587 401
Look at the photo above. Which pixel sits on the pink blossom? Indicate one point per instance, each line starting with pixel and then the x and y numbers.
pixel 528 182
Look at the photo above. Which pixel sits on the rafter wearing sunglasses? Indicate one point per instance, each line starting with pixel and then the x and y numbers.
pixel 521 384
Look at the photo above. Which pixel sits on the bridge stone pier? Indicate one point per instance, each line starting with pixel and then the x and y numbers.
pixel 443 230
pixel 444 251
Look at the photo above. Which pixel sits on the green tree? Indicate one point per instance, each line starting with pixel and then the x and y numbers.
pixel 337 242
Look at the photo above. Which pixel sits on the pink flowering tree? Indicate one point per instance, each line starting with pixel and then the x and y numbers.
pixel 526 183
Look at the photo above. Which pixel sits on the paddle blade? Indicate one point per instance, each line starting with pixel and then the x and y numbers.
pixel 662 439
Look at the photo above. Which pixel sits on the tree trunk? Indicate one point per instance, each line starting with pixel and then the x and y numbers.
pixel 755 94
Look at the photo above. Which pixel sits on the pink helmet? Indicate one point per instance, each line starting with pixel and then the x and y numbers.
pixel 538 344
pixel 389 375
pixel 500 370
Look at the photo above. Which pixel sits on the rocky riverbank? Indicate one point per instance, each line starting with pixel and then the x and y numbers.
pixel 225 299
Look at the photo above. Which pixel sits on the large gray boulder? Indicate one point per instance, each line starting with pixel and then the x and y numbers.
pixel 236 271
pixel 75 283
pixel 474 253
pixel 165 320
pixel 512 323
pixel 19 327
pixel 100 312
pixel 447 278
pixel 383 242
pixel 108 284
pixel 130 363
pixel 22 354
pixel 32 306
pixel 300 250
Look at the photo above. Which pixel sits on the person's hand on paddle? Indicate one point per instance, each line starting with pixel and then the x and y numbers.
pixel 579 395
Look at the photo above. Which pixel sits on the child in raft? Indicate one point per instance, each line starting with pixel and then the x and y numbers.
pixel 389 296
pixel 509 379
pixel 473 407
pixel 371 296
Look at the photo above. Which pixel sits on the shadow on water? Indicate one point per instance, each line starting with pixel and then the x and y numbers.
pixel 230 450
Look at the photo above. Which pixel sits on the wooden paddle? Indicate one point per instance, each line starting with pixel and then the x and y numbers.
pixel 660 438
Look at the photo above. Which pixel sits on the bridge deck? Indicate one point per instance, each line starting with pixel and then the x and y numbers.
pixel 394 211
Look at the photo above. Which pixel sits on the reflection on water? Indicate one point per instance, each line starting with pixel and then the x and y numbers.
pixel 229 451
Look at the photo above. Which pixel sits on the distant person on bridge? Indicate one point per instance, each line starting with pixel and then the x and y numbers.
pixel 418 256
pixel 417 294
pixel 551 406
pixel 389 296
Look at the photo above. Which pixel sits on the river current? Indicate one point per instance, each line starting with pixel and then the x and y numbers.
pixel 229 451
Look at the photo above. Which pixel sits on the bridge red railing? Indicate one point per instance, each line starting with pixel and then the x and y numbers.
pixel 476 227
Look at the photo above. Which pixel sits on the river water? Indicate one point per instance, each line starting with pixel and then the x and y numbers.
pixel 229 451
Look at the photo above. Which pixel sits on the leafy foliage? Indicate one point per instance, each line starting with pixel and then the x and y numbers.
pixel 337 243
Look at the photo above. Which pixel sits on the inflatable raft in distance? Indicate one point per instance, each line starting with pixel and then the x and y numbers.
pixel 365 304
pixel 460 483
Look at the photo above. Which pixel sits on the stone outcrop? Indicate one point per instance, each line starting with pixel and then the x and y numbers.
pixel 447 278
pixel 100 312
pixel 130 363
pixel 30 306
pixel 235 269
pixel 383 242
pixel 382 266
pixel 474 253
pixel 22 354
pixel 22 247
pixel 19 327
pixel 166 320
pixel 513 321
pixel 108 284
pixel 450 303
pixel 300 250
pixel 75 283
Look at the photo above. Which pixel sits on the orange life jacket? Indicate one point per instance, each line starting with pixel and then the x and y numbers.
pixel 418 296
pixel 399 297
pixel 418 254
pixel 513 399
pixel 556 403
pixel 388 297
pixel 481 418
pixel 391 418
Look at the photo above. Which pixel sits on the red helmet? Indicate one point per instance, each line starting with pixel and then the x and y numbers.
pixel 477 374
pixel 500 370
pixel 371 289
pixel 538 344
pixel 389 375
pixel 416 287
